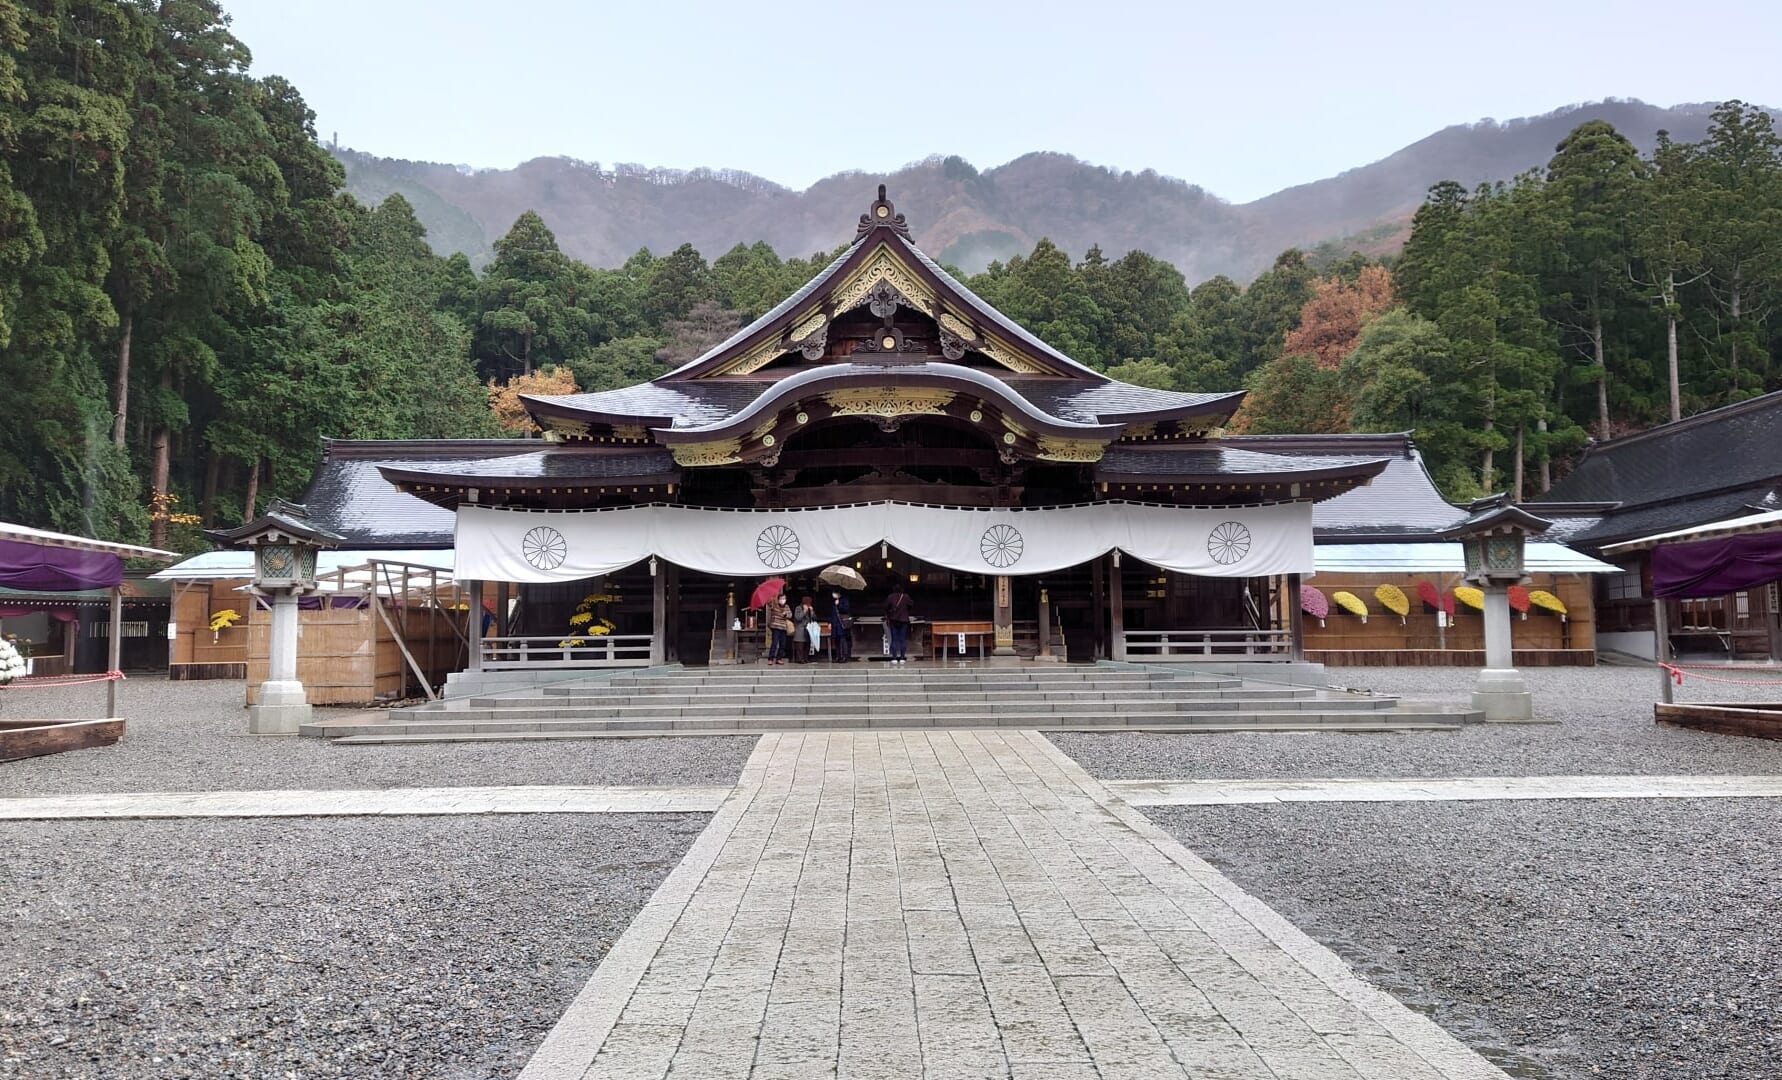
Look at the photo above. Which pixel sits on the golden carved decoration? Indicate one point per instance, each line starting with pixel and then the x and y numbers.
pixel 889 401
pixel 957 325
pixel 763 428
pixel 1055 448
pixel 756 358
pixel 1014 361
pixel 809 326
pixel 717 452
pixel 1140 431
pixel 883 266
pixel 630 432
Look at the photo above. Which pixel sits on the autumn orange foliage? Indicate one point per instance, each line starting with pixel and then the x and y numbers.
pixel 1331 321
pixel 504 398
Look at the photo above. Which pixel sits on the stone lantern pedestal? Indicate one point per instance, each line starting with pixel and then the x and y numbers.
pixel 285 543
pixel 1493 538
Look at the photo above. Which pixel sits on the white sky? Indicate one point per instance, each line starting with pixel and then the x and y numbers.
pixel 1241 98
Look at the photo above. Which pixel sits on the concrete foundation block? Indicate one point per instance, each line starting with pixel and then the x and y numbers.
pixel 1502 695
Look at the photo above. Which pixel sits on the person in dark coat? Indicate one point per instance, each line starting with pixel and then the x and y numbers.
pixel 803 614
pixel 841 629
pixel 897 623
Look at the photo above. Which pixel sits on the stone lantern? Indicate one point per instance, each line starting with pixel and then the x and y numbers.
pixel 1493 537
pixel 284 542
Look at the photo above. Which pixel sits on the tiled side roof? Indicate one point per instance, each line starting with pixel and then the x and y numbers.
pixel 567 463
pixel 1402 502
pixel 1107 401
pixel 1633 522
pixel 1212 460
pixel 693 403
pixel 350 496
pixel 1736 446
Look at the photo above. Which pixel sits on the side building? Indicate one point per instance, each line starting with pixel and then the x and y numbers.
pixel 1712 467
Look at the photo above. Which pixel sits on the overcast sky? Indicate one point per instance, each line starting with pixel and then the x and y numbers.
pixel 1240 98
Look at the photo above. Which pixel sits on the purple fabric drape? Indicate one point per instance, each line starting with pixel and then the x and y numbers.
pixel 1716 567
pixel 54 569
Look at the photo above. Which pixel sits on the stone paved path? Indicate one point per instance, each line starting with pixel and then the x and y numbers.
pixel 348 803
pixel 1223 792
pixel 967 904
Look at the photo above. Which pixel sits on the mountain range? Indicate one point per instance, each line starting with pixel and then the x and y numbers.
pixel 968 217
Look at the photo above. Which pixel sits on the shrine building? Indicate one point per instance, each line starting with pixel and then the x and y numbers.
pixel 887 419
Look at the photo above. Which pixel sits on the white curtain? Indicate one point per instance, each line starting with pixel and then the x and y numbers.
pixel 535 545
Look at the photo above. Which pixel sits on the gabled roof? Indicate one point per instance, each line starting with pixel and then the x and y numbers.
pixel 1401 503
pixel 349 496
pixel 1735 446
pixel 1708 467
pixel 882 252
pixel 883 272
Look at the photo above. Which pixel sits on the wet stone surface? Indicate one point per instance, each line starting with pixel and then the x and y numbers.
pixel 1565 940
pixel 347 947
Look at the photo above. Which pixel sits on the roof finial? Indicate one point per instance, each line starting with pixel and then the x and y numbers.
pixel 882 215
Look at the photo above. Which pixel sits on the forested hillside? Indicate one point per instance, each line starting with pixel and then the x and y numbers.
pixel 189 298
pixel 969 218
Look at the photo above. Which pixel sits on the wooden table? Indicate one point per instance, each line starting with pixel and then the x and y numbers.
pixel 943 637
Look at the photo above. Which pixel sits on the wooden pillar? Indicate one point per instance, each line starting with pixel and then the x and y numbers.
pixel 659 613
pixel 1116 610
pixel 502 628
pixel 1661 645
pixel 114 651
pixel 473 624
pixel 1098 610
pixel 1773 619
pixel 728 635
pixel 1296 618
pixel 1002 615
pixel 1045 624
pixel 671 643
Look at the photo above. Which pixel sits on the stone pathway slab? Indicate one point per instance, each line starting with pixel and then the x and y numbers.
pixel 393 801
pixel 1227 792
pixel 967 904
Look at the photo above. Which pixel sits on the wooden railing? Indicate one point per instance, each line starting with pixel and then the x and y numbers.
pixel 1166 645
pixel 602 650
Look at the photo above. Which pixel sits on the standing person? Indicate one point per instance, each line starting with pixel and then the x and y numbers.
pixel 841 629
pixel 779 622
pixel 897 622
pixel 802 617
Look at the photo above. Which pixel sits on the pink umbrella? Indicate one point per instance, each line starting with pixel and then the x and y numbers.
pixel 766 591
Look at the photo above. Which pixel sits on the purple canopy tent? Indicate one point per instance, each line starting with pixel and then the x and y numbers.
pixel 1705 561
pixel 44 561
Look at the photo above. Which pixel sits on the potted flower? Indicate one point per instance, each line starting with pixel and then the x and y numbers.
pixel 1393 599
pixel 222 621
pixel 1349 602
pixel 12 665
pixel 1313 602
pixel 22 646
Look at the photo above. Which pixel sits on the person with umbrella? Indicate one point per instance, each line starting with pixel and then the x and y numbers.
pixel 841 614
pixel 841 628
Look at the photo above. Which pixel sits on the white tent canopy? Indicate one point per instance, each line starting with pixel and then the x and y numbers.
pixel 1444 557
pixel 1763 522
pixel 239 563
pixel 25 534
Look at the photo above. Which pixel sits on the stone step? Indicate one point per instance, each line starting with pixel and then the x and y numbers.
pixel 816 707
pixel 895 695
pixel 934 681
pixel 1401 721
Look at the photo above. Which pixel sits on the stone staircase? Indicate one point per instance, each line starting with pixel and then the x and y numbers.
pixel 750 700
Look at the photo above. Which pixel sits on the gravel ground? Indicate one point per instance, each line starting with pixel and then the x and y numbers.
pixel 1605 728
pixel 191 736
pixel 361 947
pixel 1566 940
